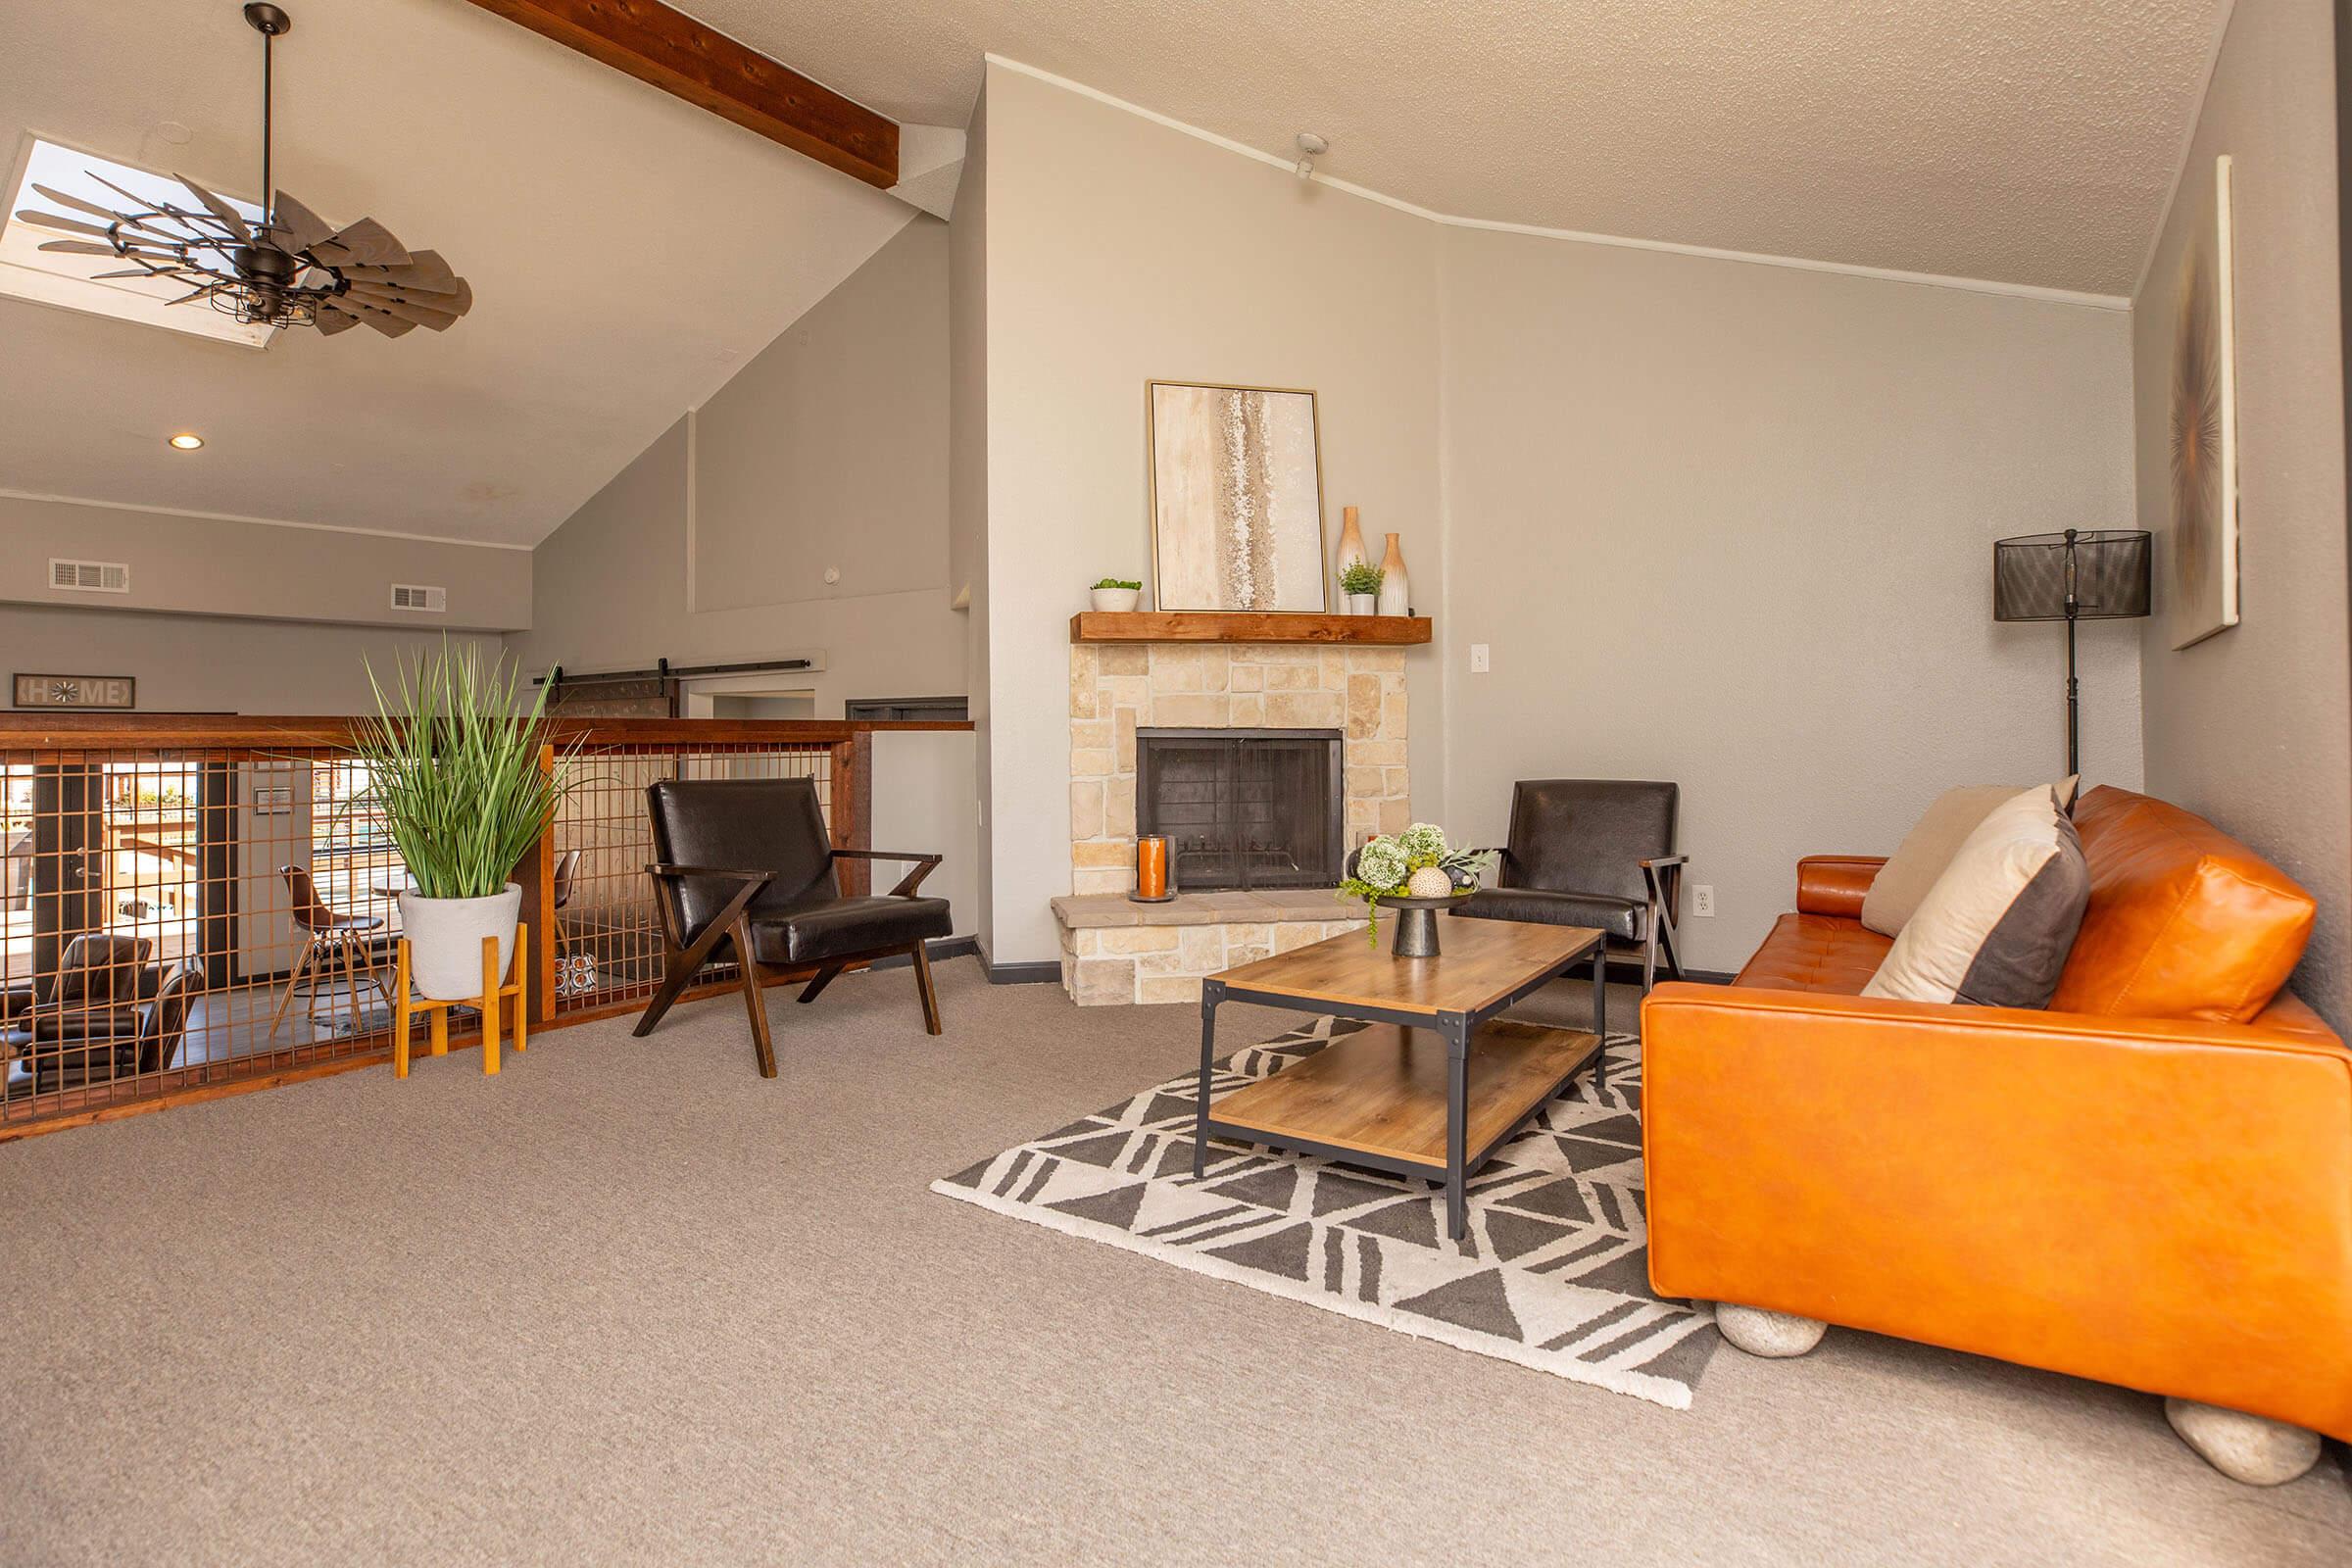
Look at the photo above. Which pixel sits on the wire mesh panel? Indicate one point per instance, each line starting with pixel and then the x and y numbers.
pixel 177 917
pixel 206 901
pixel 610 936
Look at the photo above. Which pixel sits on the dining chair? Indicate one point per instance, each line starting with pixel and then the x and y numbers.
pixel 333 940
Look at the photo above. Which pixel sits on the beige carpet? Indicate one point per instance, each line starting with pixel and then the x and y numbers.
pixel 629 1303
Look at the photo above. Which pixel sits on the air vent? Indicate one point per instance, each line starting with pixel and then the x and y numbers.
pixel 415 596
pixel 89 576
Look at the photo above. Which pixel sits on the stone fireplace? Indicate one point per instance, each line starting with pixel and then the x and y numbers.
pixel 1244 808
pixel 1114 950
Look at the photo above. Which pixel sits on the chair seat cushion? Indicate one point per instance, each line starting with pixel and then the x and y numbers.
pixel 836 927
pixel 1816 952
pixel 1619 918
pixel 72 1024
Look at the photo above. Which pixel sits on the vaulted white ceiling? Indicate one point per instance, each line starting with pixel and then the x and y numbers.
pixel 627 251
pixel 2025 141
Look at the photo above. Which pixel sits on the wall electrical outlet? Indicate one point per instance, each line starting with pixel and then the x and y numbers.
pixel 1702 899
pixel 1479 663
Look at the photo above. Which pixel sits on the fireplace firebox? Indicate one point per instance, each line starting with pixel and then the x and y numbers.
pixel 1244 808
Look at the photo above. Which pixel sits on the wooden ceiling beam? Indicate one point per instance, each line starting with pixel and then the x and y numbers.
pixel 677 54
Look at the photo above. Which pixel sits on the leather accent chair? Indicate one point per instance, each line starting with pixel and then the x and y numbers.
pixel 1592 851
pixel 748 876
pixel 2149 1183
pixel 56 1049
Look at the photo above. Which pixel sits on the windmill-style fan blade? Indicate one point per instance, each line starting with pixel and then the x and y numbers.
pixel 208 289
pixel 69 226
pixel 369 301
pixel 230 218
pixel 62 199
pixel 389 325
pixel 331 321
pixel 78 247
pixel 296 227
pixel 134 272
pixel 426 273
pixel 366 243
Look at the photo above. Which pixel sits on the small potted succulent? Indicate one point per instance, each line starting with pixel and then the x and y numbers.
pixel 1360 581
pixel 1417 874
pixel 1116 595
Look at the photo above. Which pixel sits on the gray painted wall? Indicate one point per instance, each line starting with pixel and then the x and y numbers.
pixel 1119 251
pixel 219 567
pixel 1732 526
pixel 2249 727
pixel 212 663
pixel 828 449
pixel 610 588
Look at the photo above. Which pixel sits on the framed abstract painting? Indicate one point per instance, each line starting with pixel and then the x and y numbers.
pixel 2200 579
pixel 1237 497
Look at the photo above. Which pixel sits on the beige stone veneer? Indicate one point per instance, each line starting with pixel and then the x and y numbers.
pixel 1115 687
pixel 1115 950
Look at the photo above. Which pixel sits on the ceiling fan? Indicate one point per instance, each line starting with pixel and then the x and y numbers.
pixel 291 268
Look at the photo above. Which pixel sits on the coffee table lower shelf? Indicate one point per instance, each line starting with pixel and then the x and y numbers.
pixel 1378 1097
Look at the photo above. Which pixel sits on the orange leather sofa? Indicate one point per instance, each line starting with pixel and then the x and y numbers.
pixel 2150 1184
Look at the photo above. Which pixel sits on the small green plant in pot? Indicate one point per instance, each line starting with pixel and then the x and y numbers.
pixel 1117 594
pixel 1361 581
pixel 452 758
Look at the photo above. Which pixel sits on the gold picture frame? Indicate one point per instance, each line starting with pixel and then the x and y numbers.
pixel 1229 518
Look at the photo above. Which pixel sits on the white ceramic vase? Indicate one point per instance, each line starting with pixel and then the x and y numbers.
pixel 1396 596
pixel 1363 604
pixel 445 939
pixel 1116 600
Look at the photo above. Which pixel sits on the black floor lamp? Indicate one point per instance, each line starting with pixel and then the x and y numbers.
pixel 2080 574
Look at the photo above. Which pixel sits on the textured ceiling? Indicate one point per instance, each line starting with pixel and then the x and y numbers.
pixel 2024 141
pixel 627 253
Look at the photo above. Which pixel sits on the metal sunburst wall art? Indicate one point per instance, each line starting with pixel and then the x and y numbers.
pixel 292 268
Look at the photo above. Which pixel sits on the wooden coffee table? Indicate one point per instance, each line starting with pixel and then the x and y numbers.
pixel 1441 1082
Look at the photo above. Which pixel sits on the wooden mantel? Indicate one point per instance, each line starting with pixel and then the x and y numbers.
pixel 1244 627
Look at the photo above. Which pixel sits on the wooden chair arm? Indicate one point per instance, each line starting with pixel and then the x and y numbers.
pixel 924 865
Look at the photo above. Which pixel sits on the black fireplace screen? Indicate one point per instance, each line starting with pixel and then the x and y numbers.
pixel 1243 808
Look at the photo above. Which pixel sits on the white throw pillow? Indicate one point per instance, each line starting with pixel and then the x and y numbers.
pixel 1895 892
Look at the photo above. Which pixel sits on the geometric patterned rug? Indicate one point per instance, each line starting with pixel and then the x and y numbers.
pixel 1551 1273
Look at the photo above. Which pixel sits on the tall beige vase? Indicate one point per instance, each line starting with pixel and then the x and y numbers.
pixel 1352 551
pixel 1395 594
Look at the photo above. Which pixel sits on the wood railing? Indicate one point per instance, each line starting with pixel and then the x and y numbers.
pixel 150 944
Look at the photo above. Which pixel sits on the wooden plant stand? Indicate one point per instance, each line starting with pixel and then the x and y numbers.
pixel 407 1007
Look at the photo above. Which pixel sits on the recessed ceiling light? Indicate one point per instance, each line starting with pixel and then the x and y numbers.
pixel 187 441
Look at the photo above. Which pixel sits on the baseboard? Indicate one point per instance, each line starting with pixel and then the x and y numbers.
pixel 945 948
pixel 1629 970
pixel 1024 974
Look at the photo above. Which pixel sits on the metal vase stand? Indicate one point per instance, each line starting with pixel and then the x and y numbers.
pixel 1417 924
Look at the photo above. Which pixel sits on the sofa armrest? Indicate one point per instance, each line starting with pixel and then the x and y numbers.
pixel 2161 1203
pixel 1834 884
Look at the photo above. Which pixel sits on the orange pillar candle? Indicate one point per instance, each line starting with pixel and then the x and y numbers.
pixel 1152 866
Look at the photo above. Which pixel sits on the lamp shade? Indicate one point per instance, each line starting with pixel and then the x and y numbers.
pixel 2105 571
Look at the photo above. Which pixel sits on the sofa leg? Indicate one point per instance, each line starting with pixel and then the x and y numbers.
pixel 1759 1332
pixel 2252 1449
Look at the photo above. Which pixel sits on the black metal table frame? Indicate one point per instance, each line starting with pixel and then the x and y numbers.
pixel 1456 1029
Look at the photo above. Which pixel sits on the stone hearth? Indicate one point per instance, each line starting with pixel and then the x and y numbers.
pixel 1114 950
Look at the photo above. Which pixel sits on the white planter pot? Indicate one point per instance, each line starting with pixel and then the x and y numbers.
pixel 445 939
pixel 1362 603
pixel 1116 600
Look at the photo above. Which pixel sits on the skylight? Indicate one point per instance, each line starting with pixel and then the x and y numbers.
pixel 47 277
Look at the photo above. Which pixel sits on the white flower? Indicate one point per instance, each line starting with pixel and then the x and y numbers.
pixel 1381 864
pixel 1423 839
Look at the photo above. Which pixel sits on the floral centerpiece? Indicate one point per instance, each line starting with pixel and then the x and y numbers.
pixel 1415 864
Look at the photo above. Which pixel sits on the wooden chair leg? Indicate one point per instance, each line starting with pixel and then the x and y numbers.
pixel 1649 961
pixel 292 985
pixel 681 970
pixel 762 1047
pixel 921 955
pixel 824 978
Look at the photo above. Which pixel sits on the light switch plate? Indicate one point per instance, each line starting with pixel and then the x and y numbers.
pixel 1479 663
